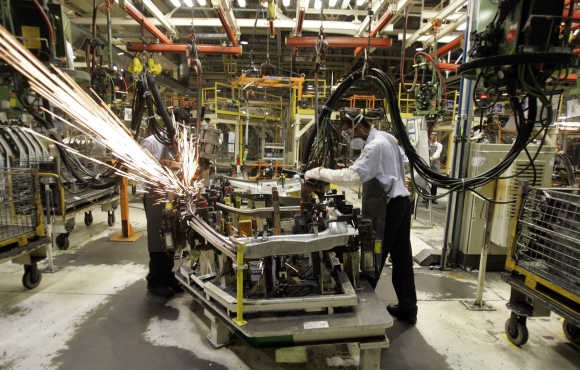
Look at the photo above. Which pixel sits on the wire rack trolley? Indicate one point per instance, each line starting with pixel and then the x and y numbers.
pixel 543 261
pixel 22 234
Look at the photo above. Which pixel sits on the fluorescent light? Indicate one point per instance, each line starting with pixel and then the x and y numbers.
pixel 360 2
pixel 419 49
pixel 242 3
pixel 188 3
pixel 202 2
pixel 447 38
pixel 286 3
pixel 244 42
pixel 317 4
pixel 176 3
pixel 332 3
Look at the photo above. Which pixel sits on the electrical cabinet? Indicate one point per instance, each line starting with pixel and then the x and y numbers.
pixel 472 235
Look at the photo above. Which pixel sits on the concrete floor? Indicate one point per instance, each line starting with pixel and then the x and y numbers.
pixel 94 313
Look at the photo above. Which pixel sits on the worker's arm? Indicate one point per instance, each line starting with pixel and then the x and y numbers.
pixel 343 177
pixel 363 169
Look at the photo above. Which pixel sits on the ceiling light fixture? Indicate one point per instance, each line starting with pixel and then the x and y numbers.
pixel 202 2
pixel 317 4
pixel 188 3
pixel 286 3
pixel 242 3
pixel 244 42
pixel 176 3
pixel 360 2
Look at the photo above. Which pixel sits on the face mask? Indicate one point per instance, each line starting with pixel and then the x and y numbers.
pixel 357 143
pixel 347 134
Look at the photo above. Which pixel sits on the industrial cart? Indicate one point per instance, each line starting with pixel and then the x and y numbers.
pixel 22 234
pixel 543 261
pixel 67 204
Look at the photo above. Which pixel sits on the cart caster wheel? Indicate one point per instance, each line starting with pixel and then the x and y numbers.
pixel 88 218
pixel 62 241
pixel 32 276
pixel 111 218
pixel 516 330
pixel 572 332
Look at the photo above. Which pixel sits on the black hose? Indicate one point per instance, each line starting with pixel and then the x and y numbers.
pixel 71 162
pixel 138 108
pixel 160 106
pixel 418 164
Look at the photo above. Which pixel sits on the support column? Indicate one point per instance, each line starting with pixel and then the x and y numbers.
pixel 460 161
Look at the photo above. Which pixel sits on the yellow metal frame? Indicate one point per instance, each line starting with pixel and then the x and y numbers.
pixel 322 84
pixel 240 286
pixel 271 81
pixel 530 279
pixel 406 101
pixel 275 102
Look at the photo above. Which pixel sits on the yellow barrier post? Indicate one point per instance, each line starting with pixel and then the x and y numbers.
pixel 240 286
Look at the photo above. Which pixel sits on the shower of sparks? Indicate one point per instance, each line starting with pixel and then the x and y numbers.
pixel 96 120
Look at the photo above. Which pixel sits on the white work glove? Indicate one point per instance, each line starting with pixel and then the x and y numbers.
pixel 313 174
pixel 345 177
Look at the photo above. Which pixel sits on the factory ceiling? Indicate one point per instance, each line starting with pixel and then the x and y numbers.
pixel 265 42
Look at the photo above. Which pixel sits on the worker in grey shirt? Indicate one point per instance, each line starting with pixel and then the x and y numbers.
pixel 160 280
pixel 386 201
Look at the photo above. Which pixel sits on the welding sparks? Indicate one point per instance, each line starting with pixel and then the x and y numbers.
pixel 96 120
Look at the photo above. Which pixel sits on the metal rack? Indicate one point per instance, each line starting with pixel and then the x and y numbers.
pixel 22 234
pixel 544 261
pixel 19 148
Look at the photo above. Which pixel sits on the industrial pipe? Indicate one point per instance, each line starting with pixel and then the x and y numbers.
pixel 383 21
pixel 227 27
pixel 450 46
pixel 575 16
pixel 339 42
pixel 140 18
pixel 182 48
pixel 448 66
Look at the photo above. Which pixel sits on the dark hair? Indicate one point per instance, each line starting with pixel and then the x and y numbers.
pixel 365 123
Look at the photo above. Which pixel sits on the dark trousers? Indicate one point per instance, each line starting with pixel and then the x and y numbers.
pixel 160 260
pixel 397 243
pixel 154 215
pixel 433 190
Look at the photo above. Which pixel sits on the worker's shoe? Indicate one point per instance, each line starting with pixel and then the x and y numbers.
pixel 159 272
pixel 169 275
pixel 408 315
pixel 160 290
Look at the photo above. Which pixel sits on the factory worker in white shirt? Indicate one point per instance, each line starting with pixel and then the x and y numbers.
pixel 380 168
